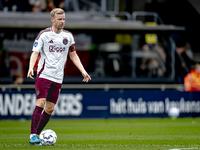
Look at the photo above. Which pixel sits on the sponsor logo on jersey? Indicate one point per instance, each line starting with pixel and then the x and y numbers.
pixel 35 44
pixel 65 41
pixel 53 48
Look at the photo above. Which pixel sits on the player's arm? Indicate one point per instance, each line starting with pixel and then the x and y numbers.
pixel 34 57
pixel 75 59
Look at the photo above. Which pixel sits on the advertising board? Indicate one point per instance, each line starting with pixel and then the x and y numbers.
pixel 103 104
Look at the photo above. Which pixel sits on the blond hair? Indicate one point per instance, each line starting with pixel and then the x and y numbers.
pixel 57 11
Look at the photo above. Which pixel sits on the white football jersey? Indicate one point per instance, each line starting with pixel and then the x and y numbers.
pixel 53 49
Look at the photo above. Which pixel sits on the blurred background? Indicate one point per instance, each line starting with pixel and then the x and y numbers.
pixel 123 44
pixel 118 41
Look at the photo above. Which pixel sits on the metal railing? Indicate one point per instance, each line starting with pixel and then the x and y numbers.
pixel 155 16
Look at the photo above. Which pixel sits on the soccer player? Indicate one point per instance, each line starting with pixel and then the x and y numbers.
pixel 53 44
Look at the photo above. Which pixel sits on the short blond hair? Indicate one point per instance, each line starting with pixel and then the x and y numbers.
pixel 57 11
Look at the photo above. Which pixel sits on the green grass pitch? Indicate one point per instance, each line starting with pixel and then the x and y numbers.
pixel 108 134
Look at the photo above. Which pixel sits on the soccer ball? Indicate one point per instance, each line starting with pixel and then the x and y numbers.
pixel 48 137
pixel 174 112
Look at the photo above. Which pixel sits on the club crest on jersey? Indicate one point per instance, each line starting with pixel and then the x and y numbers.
pixel 36 44
pixel 65 41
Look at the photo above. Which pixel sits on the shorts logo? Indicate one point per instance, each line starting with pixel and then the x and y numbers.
pixel 65 41
pixel 37 92
pixel 35 44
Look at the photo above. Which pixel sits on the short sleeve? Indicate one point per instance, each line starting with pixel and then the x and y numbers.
pixel 72 39
pixel 38 44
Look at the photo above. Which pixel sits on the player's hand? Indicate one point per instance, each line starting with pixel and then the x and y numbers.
pixel 86 77
pixel 30 73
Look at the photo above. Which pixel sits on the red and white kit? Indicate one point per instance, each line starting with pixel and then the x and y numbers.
pixel 54 49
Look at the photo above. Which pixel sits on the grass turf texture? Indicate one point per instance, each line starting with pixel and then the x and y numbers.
pixel 108 134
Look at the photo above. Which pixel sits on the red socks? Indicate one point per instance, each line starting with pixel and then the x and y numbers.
pixel 39 120
pixel 43 121
pixel 36 119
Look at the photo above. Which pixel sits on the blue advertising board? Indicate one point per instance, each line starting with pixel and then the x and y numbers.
pixel 103 104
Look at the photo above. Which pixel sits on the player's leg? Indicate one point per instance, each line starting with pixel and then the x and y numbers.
pixel 49 108
pixel 34 139
pixel 37 114
pixel 52 98
pixel 41 88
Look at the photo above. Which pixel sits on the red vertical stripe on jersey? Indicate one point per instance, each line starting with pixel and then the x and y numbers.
pixel 41 69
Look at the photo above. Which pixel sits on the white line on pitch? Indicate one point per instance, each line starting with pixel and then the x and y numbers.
pixel 184 148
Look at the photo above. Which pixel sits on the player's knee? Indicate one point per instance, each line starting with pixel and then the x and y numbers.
pixel 49 109
pixel 41 102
